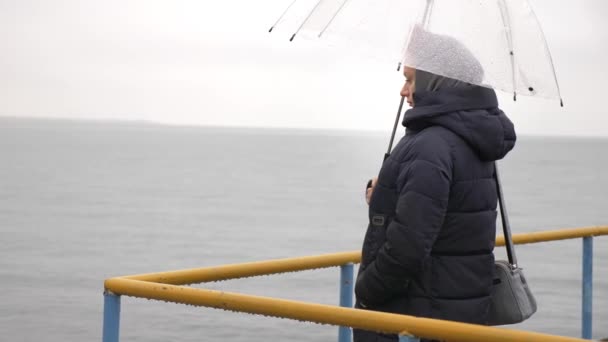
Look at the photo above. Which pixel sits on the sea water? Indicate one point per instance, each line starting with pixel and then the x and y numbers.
pixel 84 201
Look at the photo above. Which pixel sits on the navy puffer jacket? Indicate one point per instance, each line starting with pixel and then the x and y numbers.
pixel 428 250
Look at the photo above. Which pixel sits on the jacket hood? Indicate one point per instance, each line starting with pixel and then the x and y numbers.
pixel 472 113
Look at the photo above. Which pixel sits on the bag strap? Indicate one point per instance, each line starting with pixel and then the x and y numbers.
pixel 505 220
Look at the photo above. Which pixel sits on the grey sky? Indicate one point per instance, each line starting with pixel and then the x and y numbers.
pixel 213 63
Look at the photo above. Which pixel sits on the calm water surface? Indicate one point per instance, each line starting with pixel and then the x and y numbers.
pixel 81 202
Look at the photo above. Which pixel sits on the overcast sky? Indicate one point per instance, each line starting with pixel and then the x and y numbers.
pixel 214 63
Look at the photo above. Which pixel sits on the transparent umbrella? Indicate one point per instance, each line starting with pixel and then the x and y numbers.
pixel 492 43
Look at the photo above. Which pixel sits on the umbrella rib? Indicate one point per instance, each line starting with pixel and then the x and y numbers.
pixel 427 13
pixel 282 15
pixel 332 18
pixel 506 21
pixel 305 20
pixel 559 93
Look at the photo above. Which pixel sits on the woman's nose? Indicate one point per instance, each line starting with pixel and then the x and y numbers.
pixel 404 91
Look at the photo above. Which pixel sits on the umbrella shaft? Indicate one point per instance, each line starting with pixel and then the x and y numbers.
pixel 390 144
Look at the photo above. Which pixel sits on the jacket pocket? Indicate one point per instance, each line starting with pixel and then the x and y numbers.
pixel 374 238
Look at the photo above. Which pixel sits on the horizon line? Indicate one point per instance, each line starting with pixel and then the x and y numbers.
pixel 119 121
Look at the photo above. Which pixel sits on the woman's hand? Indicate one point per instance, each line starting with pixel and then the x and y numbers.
pixel 371 184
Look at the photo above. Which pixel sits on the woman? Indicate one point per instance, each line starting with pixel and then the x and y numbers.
pixel 428 250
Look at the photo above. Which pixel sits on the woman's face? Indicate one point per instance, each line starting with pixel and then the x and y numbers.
pixel 408 88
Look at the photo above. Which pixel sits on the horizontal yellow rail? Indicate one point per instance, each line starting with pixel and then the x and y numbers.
pixel 327 314
pixel 250 269
pixel 554 235
pixel 162 286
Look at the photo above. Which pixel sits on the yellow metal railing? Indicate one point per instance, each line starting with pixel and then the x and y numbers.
pixel 554 235
pixel 249 269
pixel 164 286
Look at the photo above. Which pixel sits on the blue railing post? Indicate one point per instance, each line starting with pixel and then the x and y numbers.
pixel 347 273
pixel 111 317
pixel 587 305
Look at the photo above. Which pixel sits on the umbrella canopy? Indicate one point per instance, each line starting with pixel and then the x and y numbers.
pixel 491 43
pixel 377 28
